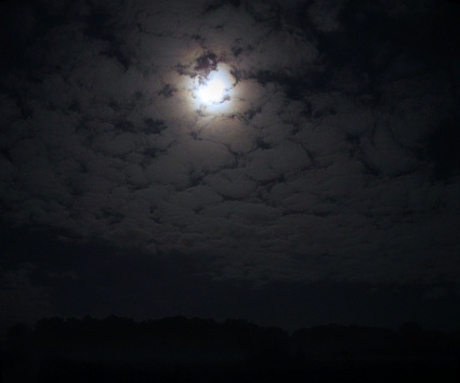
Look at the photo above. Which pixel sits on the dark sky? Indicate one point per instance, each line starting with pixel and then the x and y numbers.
pixel 324 187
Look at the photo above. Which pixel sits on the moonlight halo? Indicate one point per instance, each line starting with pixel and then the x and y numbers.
pixel 214 90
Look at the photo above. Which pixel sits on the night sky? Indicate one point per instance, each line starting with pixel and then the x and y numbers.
pixel 322 187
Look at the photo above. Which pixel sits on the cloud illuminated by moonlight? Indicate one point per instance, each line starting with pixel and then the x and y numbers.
pixel 213 93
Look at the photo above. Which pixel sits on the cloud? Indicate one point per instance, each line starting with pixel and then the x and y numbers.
pixel 20 298
pixel 323 15
pixel 317 166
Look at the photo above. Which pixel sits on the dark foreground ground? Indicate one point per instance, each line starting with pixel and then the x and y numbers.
pixel 62 370
pixel 119 350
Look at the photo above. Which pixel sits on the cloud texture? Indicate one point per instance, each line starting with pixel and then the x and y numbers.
pixel 333 159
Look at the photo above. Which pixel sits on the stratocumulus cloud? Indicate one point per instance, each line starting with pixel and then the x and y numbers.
pixel 325 163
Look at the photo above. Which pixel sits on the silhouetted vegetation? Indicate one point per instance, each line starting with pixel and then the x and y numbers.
pixel 178 349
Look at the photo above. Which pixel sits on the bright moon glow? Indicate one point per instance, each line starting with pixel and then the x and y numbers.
pixel 212 91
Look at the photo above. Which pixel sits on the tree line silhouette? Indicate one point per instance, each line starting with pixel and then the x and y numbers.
pixel 250 340
pixel 167 347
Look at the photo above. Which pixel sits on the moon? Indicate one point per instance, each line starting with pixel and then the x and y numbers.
pixel 214 91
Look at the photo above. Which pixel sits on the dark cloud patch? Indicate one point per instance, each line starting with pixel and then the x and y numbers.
pixel 98 23
pixel 155 126
pixel 167 91
pixel 443 149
